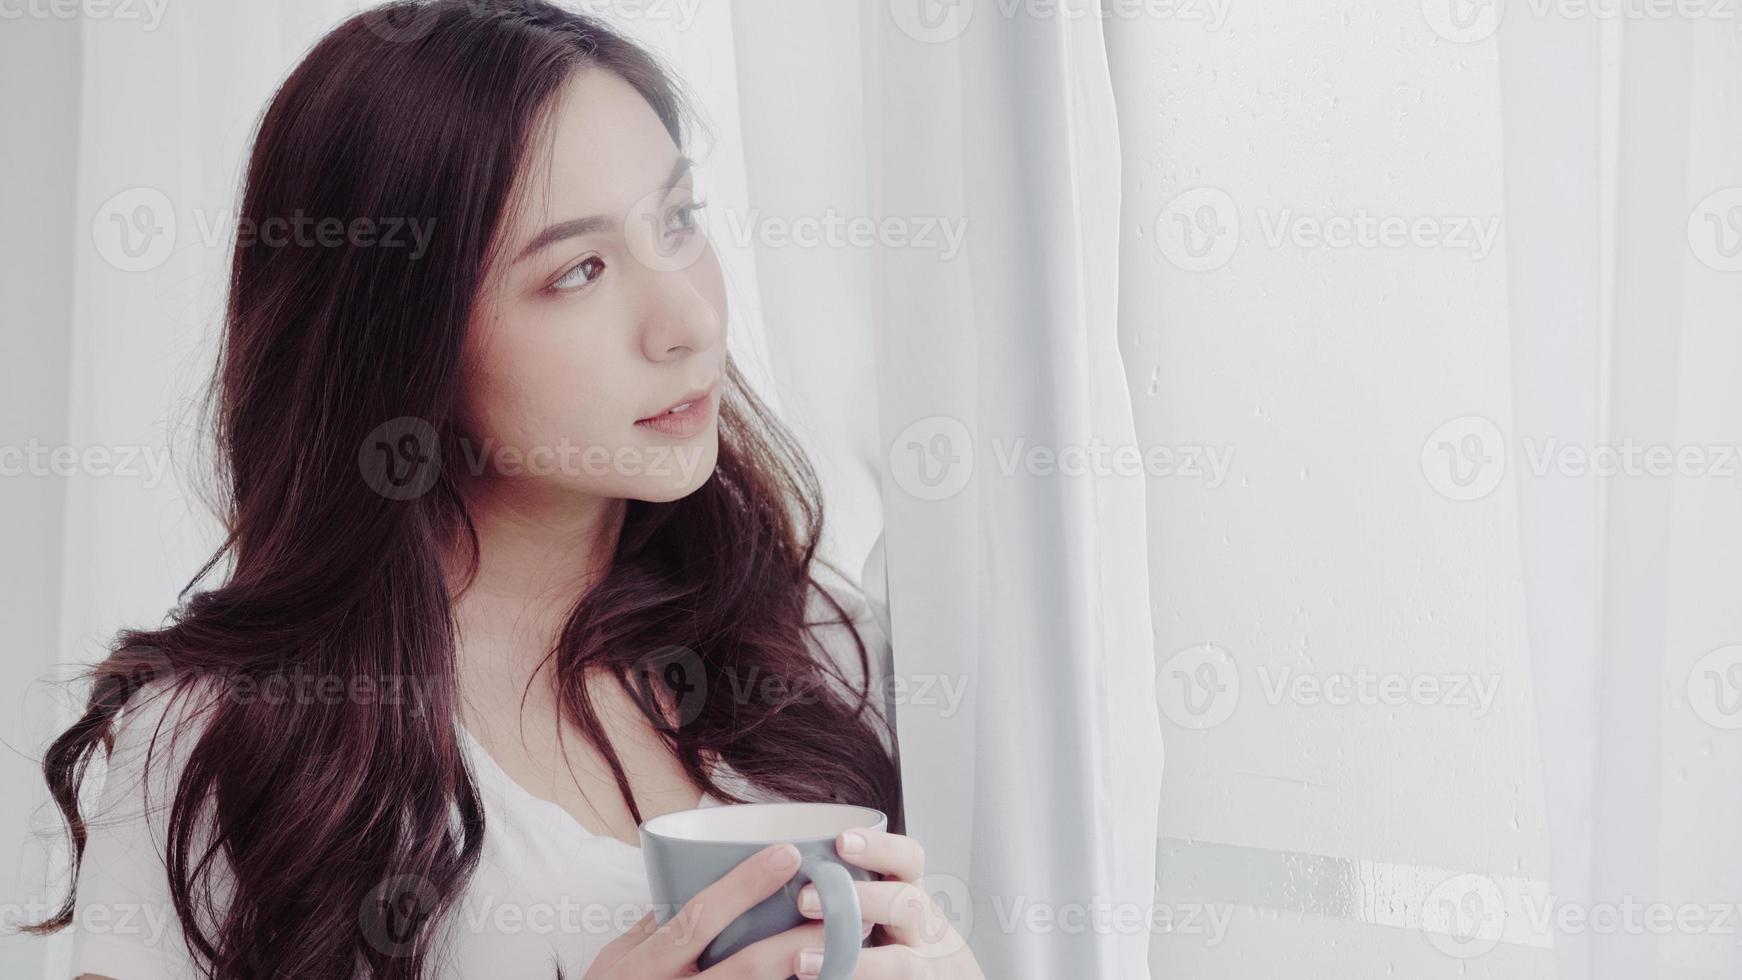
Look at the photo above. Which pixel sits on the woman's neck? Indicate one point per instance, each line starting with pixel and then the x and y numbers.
pixel 537 555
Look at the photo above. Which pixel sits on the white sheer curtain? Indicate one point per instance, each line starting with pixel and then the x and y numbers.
pixel 1624 214
pixel 1031 585
pixel 978 312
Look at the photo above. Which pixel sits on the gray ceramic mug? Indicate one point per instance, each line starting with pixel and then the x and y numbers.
pixel 689 850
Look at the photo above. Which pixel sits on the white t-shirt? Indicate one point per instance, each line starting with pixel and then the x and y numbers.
pixel 546 891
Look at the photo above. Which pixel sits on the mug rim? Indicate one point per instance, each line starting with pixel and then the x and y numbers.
pixel 880 819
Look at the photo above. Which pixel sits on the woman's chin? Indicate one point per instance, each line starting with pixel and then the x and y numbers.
pixel 691 476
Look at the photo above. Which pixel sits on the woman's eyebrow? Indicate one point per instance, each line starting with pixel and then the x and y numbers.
pixel 593 224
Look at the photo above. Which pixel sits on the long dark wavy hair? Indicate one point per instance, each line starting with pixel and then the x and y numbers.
pixel 309 805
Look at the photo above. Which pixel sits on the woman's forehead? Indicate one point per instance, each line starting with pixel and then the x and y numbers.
pixel 604 150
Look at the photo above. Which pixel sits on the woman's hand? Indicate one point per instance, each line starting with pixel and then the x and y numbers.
pixel 649 951
pixel 924 943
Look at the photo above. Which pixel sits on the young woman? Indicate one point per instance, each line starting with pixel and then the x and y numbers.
pixel 514 561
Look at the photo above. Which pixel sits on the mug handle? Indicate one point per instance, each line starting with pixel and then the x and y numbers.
pixel 842 924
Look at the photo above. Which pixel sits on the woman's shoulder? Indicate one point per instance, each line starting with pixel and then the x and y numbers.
pixel 124 922
pixel 149 743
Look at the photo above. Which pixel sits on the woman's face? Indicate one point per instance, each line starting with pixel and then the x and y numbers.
pixel 605 307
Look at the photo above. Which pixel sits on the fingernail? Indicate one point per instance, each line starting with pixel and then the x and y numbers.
pixel 810 962
pixel 852 843
pixel 807 899
pixel 783 858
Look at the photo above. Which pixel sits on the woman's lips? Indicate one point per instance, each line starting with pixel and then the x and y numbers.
pixel 685 423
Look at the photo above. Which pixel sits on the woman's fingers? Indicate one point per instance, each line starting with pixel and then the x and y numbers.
pixel 625 944
pixel 646 926
pixel 673 948
pixel 893 855
pixel 905 911
pixel 892 963
pixel 774 958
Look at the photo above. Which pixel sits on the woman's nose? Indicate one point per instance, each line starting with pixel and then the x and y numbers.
pixel 679 317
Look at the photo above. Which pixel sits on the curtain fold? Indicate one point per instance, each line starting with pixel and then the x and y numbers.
pixel 978 320
pixel 1550 76
pixel 1624 214
pixel 1029 584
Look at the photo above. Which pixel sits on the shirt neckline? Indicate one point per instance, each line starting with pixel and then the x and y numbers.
pixel 482 760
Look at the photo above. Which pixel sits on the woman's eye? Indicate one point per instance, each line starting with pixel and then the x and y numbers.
pixel 579 275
